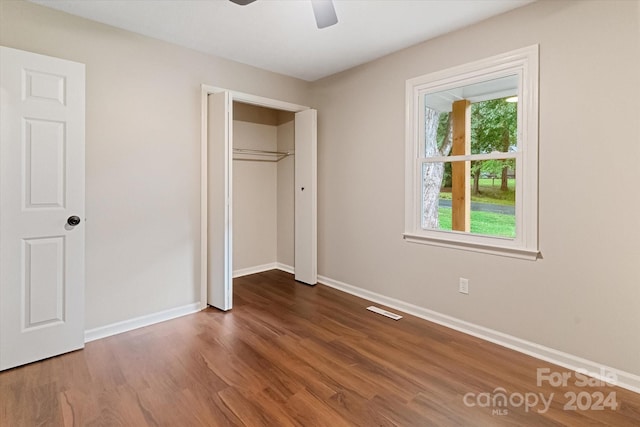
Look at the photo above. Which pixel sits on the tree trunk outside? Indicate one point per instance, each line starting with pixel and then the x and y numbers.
pixel 433 173
pixel 431 182
pixel 476 180
pixel 504 186
pixel 432 119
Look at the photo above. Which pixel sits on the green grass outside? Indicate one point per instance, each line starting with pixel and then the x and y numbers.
pixel 490 192
pixel 486 223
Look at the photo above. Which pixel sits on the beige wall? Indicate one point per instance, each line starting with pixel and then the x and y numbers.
pixel 142 154
pixel 254 197
pixel 583 296
pixel 254 114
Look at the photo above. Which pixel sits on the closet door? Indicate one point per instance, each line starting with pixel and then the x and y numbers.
pixel 306 235
pixel 220 251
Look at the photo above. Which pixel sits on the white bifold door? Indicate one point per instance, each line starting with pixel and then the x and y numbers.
pixel 306 194
pixel 42 104
pixel 219 184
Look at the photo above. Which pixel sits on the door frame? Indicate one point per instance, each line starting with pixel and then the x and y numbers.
pixel 204 166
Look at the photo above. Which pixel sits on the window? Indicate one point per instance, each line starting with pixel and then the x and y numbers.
pixel 472 156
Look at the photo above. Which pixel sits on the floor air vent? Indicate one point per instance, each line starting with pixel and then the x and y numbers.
pixel 384 312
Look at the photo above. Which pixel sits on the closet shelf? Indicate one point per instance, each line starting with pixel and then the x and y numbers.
pixel 246 154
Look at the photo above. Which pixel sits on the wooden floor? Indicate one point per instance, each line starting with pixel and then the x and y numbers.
pixel 294 355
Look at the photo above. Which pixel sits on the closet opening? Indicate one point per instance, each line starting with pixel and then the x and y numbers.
pixel 259 191
pixel 263 189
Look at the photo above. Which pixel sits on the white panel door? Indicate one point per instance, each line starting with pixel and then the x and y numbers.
pixel 220 250
pixel 306 193
pixel 42 196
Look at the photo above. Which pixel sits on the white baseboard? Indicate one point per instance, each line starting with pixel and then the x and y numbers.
pixel 264 267
pixel 286 268
pixel 255 269
pixel 623 379
pixel 139 322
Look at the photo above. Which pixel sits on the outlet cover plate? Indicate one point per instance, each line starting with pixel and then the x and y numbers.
pixel 464 286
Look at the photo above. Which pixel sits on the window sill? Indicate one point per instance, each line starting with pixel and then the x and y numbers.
pixel 492 249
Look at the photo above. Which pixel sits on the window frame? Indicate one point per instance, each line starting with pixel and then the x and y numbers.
pixel 524 64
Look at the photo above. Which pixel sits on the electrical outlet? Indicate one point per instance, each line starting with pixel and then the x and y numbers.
pixel 463 287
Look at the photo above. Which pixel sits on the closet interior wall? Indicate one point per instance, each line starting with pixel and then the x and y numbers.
pixel 263 191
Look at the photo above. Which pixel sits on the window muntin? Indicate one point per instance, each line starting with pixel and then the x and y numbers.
pixel 502 156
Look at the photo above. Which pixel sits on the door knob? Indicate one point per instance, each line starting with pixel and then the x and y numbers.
pixel 73 220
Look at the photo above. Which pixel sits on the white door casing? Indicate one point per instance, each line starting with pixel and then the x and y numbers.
pixel 306 194
pixel 42 131
pixel 219 184
pixel 217 191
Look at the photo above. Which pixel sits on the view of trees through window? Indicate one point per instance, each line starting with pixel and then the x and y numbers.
pixel 476 195
pixel 471 156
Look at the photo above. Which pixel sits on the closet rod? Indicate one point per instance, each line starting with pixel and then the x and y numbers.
pixel 279 155
pixel 262 152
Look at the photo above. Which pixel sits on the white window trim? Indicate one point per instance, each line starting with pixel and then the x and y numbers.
pixel 524 63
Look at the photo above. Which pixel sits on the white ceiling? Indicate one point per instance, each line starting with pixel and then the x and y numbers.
pixel 281 35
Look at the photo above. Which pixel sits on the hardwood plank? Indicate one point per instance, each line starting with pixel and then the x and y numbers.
pixel 289 354
pixel 309 411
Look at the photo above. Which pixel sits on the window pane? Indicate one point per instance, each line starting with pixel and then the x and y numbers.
pixel 476 197
pixel 485 113
pixel 442 182
pixel 493 198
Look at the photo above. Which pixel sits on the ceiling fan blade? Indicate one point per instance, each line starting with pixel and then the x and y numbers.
pixel 242 2
pixel 324 12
